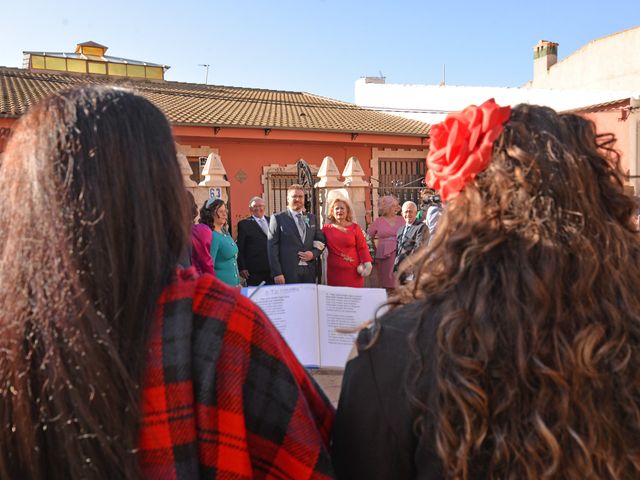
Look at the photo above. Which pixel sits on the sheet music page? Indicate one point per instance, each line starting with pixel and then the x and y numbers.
pixel 344 307
pixel 293 309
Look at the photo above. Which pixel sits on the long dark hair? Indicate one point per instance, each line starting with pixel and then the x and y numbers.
pixel 93 218
pixel 528 348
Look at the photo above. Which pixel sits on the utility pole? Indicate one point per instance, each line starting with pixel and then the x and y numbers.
pixel 206 75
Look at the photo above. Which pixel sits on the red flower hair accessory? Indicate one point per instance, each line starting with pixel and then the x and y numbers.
pixel 462 146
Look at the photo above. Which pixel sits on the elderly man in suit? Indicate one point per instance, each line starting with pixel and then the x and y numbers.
pixel 409 238
pixel 253 260
pixel 295 241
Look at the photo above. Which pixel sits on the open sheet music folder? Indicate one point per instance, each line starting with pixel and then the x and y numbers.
pixel 307 316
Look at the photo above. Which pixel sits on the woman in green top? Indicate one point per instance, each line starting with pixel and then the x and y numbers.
pixel 224 250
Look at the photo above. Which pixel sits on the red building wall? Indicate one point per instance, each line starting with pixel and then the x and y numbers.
pixel 245 151
pixel 5 129
pixel 248 159
pixel 616 122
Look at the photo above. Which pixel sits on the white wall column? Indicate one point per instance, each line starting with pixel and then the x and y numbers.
pixel 357 186
pixel 213 184
pixel 329 179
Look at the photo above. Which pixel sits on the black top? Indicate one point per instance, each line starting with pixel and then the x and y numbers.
pixel 373 433
pixel 409 241
pixel 252 246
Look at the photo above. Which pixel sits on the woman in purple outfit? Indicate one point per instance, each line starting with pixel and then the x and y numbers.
pixel 201 240
pixel 384 232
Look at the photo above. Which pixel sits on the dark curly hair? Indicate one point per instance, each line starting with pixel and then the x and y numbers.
pixel 207 214
pixel 532 280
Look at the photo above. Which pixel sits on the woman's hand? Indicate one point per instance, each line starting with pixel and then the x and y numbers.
pixel 364 269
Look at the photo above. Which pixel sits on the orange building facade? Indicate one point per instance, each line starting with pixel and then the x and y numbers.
pixel 253 160
pixel 257 135
pixel 622 119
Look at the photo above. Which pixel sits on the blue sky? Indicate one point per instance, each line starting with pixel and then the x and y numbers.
pixel 318 46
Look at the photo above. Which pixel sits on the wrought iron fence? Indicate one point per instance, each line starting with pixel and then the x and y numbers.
pixel 402 178
pixel 279 183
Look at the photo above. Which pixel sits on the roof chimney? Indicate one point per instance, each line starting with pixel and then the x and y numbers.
pixel 545 55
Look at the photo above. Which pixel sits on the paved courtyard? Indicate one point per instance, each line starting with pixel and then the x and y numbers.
pixel 330 380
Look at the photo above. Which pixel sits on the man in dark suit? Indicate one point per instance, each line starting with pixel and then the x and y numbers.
pixel 253 260
pixel 409 238
pixel 293 241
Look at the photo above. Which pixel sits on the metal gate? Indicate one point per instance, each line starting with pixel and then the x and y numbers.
pixel 279 182
pixel 402 178
pixel 307 180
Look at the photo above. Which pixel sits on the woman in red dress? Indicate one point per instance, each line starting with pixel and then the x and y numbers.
pixel 349 260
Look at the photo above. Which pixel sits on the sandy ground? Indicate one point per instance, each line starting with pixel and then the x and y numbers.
pixel 330 380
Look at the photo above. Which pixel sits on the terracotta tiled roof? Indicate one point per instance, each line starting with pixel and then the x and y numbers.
pixel 601 107
pixel 212 105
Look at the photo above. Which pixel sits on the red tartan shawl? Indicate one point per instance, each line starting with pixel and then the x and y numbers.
pixel 224 396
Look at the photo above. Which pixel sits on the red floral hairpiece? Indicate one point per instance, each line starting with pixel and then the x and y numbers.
pixel 462 146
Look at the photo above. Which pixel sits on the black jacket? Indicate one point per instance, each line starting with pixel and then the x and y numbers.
pixel 416 234
pixel 373 435
pixel 252 246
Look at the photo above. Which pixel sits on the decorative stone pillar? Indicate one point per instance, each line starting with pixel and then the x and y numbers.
pixel 328 175
pixel 214 178
pixel 186 171
pixel 355 183
pixel 199 193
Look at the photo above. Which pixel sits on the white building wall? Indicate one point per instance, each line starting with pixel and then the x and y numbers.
pixel 608 63
pixel 431 103
pixel 604 70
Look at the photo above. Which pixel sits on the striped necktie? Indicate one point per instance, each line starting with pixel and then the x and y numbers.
pixel 301 226
pixel 404 234
pixel 263 225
